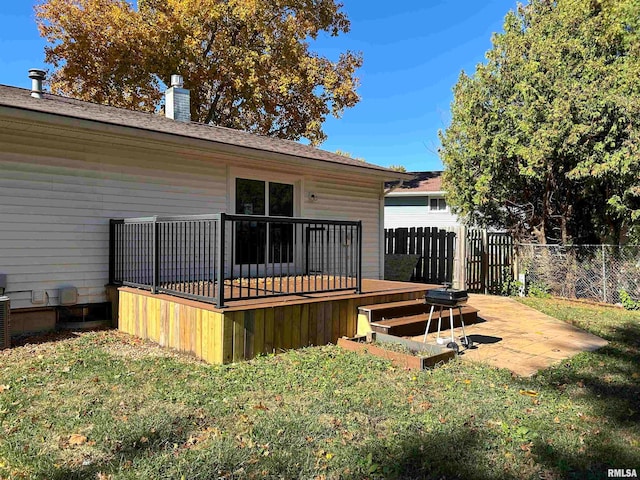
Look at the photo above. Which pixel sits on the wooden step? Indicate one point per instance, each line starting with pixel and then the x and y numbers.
pixel 412 325
pixel 377 312
pixel 394 309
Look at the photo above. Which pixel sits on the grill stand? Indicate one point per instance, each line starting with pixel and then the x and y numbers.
pixel 464 339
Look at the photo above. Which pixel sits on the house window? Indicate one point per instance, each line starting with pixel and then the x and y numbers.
pixel 438 204
pixel 254 239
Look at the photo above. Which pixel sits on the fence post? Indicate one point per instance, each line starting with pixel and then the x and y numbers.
pixel 156 255
pixel 461 258
pixel 484 267
pixel 604 276
pixel 221 260
pixel 451 238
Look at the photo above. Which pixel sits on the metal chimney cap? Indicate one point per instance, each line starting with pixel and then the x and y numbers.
pixel 177 81
pixel 37 74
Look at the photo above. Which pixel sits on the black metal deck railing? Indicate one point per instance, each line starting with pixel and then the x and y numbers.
pixel 218 258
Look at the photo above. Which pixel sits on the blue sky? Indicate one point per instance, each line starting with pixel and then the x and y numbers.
pixel 413 52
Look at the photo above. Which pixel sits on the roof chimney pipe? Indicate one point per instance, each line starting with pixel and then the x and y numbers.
pixel 37 76
pixel 177 81
pixel 178 100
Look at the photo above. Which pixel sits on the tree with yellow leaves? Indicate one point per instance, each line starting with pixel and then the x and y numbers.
pixel 248 63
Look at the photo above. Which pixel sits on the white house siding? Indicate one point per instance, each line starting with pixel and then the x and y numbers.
pixel 407 216
pixel 59 187
pixel 349 199
pixel 55 207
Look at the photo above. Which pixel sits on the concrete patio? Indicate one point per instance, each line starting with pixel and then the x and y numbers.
pixel 519 338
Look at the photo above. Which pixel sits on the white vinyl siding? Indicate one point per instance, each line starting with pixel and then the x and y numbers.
pixel 58 190
pixel 345 199
pixel 416 211
pixel 54 219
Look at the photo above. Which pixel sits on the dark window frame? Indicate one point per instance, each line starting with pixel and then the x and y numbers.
pixel 261 245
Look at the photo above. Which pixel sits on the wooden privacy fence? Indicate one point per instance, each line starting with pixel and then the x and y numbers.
pixel 435 247
pixel 489 260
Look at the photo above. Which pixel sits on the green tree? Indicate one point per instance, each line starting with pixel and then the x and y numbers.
pixel 248 63
pixel 348 155
pixel 544 135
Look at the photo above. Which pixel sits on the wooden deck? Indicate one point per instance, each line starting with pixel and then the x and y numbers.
pixel 239 288
pixel 246 328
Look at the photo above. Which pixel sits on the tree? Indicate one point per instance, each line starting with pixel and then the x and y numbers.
pixel 544 136
pixel 247 63
pixel 348 155
pixel 398 168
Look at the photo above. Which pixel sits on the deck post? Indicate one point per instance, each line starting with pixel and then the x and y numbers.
pixel 156 256
pixel 221 261
pixel 112 252
pixel 359 279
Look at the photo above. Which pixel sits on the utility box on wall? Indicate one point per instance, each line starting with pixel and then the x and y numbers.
pixel 68 296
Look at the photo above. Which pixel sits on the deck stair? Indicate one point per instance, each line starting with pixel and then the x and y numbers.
pixel 409 318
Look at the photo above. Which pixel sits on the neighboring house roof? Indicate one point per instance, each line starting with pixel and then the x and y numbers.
pixel 68 107
pixel 423 182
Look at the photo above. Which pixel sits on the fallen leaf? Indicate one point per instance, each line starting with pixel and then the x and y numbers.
pixel 260 406
pixel 4 387
pixel 467 381
pixel 76 439
pixel 556 420
pixel 348 435
pixel 144 440
pixel 530 393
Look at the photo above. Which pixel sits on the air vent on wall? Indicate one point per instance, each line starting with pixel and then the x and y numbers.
pixel 68 296
pixel 5 332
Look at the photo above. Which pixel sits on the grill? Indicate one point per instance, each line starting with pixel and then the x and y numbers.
pixel 447 298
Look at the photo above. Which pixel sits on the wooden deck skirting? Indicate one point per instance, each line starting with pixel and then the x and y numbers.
pixel 249 328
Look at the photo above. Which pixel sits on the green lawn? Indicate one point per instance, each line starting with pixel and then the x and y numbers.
pixel 105 405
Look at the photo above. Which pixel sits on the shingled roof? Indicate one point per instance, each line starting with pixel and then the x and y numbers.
pixel 68 107
pixel 422 182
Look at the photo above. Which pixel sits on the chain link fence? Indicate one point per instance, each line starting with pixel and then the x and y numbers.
pixel 596 272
